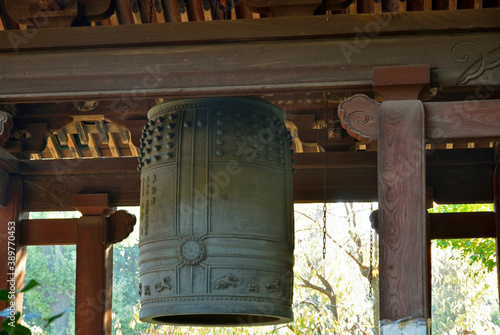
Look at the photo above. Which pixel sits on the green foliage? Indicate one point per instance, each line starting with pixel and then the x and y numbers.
pixel 10 325
pixel 481 250
pixel 461 302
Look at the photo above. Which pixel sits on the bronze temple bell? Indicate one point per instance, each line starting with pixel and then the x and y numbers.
pixel 216 233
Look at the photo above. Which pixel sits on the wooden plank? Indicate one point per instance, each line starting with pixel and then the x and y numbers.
pixel 459 225
pixel 252 30
pixel 445 121
pixel 48 232
pixel 249 68
pixel 458 176
pixel 94 267
pixel 404 242
pixel 462 119
pixel 258 67
pixel 462 225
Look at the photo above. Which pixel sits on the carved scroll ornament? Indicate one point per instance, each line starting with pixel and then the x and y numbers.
pixel 359 116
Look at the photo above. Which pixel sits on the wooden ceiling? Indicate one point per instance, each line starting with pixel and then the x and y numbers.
pixel 160 11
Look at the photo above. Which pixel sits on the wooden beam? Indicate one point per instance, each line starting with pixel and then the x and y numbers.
pixel 462 225
pixel 457 225
pixel 246 62
pixel 457 176
pixel 64 231
pixel 444 121
pixel 48 232
pixel 94 266
pixel 232 31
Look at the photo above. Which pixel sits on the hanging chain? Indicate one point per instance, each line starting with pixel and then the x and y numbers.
pixel 325 175
pixel 370 275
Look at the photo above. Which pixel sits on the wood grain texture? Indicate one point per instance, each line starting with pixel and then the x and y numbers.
pixel 404 242
pixel 404 82
pixel 462 119
pixel 448 120
pixel 12 213
pixel 230 31
pixel 457 176
pixel 94 267
pixel 48 232
pixel 229 68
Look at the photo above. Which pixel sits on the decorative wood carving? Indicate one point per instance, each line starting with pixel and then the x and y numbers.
pixel 359 116
pixel 5 125
pixel 478 60
pixel 120 225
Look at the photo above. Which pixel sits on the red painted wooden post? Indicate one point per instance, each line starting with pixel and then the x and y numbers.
pixel 398 125
pixel 94 266
pixel 496 193
pixel 12 270
pixel 403 228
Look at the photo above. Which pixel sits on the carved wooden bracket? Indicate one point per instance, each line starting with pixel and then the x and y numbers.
pixel 359 116
pixel 5 125
pixel 120 225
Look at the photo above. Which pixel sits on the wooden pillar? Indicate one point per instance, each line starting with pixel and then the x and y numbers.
pixel 12 255
pixel 94 266
pixel 398 125
pixel 496 193
pixel 403 228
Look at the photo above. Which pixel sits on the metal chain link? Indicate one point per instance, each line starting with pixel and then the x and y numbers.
pixel 325 175
pixel 370 275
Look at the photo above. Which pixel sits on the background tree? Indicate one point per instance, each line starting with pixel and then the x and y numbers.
pixel 331 296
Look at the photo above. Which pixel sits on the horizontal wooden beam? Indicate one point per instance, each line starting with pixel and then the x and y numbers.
pixel 445 120
pixel 457 176
pixel 462 225
pixel 48 231
pixel 457 225
pixel 267 29
pixel 327 58
pixel 64 231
